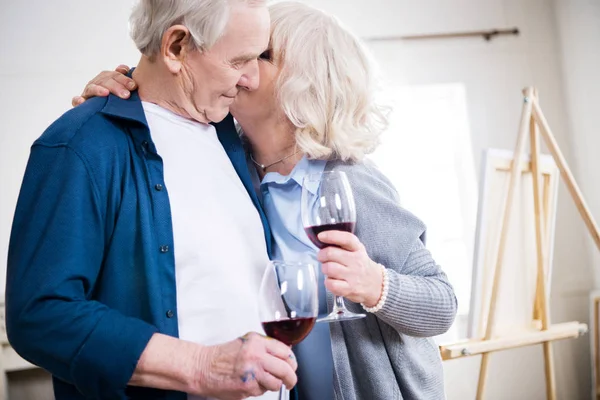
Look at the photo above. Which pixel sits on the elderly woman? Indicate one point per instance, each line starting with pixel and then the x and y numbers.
pixel 315 111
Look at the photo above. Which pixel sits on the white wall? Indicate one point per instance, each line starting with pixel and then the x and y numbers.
pixel 50 49
pixel 578 28
pixel 578 31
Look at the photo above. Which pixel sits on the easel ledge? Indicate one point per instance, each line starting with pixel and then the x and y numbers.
pixel 468 348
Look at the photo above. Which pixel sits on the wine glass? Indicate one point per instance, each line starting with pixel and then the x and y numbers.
pixel 328 204
pixel 288 302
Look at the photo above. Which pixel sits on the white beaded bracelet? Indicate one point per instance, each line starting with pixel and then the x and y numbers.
pixel 384 292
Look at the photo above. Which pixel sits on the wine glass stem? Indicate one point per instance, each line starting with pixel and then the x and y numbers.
pixel 338 305
pixel 283 393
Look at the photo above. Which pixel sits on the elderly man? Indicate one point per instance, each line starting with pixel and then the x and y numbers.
pixel 113 280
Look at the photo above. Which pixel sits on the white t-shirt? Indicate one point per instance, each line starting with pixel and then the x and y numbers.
pixel 219 244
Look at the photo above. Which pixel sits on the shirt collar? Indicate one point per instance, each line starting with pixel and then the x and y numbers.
pixel 303 168
pixel 129 109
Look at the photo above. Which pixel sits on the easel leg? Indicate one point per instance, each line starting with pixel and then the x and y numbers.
pixel 537 313
pixel 566 174
pixel 482 375
pixel 541 300
pixel 514 180
pixel 596 348
pixel 550 374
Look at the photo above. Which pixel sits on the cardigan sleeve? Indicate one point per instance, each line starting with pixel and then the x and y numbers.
pixel 420 299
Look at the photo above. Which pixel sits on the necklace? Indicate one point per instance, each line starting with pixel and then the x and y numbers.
pixel 265 167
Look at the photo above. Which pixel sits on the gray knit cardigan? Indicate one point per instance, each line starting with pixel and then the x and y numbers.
pixel 390 354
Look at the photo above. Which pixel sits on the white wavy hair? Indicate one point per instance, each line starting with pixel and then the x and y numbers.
pixel 206 20
pixel 327 83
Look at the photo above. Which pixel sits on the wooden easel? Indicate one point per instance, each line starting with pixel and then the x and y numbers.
pixel 595 320
pixel 543 332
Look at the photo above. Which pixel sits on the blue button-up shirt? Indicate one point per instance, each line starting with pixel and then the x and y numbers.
pixel 91 271
pixel 281 201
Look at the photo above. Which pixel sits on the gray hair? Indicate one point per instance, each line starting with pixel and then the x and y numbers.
pixel 327 83
pixel 205 19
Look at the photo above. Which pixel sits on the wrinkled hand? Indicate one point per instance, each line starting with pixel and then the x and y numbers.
pixel 248 366
pixel 348 269
pixel 106 82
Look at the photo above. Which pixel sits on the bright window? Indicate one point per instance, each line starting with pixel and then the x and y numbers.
pixel 428 156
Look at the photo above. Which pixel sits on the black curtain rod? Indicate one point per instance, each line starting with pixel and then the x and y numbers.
pixel 487 35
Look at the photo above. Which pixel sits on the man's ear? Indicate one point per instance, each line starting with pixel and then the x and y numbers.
pixel 175 47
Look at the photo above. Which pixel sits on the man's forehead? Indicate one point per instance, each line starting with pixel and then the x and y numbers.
pixel 248 23
pixel 246 35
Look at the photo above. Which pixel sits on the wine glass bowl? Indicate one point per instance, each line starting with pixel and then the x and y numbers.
pixel 327 204
pixel 289 301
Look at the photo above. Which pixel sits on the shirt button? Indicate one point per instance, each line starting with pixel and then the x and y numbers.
pixel 170 314
pixel 158 187
pixel 164 249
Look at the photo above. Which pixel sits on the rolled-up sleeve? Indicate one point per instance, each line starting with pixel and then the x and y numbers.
pixel 420 301
pixel 55 257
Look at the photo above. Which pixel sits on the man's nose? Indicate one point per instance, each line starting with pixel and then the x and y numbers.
pixel 250 76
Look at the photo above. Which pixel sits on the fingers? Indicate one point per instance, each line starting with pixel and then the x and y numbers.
pixel 125 81
pixel 334 265
pixel 345 240
pixel 122 69
pixel 269 383
pixel 268 361
pixel 280 364
pixel 334 270
pixel 107 82
pixel 335 255
pixel 77 100
pixel 283 352
pixel 105 85
pixel 276 372
pixel 93 90
pixel 338 287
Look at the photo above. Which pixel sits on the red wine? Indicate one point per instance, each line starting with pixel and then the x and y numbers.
pixel 313 231
pixel 289 331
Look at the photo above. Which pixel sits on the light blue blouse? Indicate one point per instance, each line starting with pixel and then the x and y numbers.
pixel 281 201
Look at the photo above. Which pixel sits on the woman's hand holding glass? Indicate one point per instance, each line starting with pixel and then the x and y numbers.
pixel 348 269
